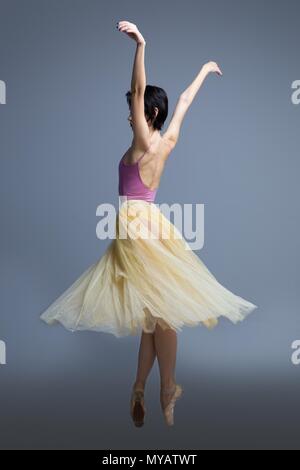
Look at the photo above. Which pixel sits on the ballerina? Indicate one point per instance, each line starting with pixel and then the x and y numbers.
pixel 151 285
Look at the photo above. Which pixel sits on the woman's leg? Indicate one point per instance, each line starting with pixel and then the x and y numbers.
pixel 146 358
pixel 166 348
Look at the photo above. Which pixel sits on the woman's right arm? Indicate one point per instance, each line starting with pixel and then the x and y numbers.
pixel 185 100
pixel 190 92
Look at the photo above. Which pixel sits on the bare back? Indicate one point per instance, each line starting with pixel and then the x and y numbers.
pixel 152 164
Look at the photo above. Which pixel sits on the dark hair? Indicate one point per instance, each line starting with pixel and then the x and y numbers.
pixel 154 96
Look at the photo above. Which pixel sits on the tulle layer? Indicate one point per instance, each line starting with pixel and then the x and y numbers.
pixel 147 275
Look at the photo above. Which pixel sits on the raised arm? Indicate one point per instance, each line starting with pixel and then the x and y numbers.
pixel 185 100
pixel 140 127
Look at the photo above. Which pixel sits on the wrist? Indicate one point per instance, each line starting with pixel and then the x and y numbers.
pixel 141 43
pixel 205 69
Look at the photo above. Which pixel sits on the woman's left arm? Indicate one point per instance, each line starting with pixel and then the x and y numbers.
pixel 138 79
pixel 138 85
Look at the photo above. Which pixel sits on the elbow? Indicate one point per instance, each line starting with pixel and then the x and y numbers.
pixel 138 90
pixel 184 97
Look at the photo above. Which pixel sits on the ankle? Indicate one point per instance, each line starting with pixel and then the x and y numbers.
pixel 168 385
pixel 138 385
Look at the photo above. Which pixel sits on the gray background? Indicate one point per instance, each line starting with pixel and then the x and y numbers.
pixel 62 133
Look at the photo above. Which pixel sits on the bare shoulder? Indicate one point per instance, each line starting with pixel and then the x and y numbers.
pixel 160 150
pixel 165 147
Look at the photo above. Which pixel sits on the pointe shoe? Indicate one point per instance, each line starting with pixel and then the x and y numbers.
pixel 137 407
pixel 168 411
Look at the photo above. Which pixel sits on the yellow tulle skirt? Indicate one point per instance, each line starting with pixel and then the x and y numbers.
pixel 148 275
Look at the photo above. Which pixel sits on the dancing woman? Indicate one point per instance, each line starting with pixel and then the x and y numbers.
pixel 151 285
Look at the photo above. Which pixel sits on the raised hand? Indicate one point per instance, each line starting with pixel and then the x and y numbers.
pixel 131 30
pixel 212 67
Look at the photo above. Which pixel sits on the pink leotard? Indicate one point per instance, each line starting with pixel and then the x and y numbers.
pixel 131 184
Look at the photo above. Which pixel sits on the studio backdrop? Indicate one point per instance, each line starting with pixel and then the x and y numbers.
pixel 64 74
